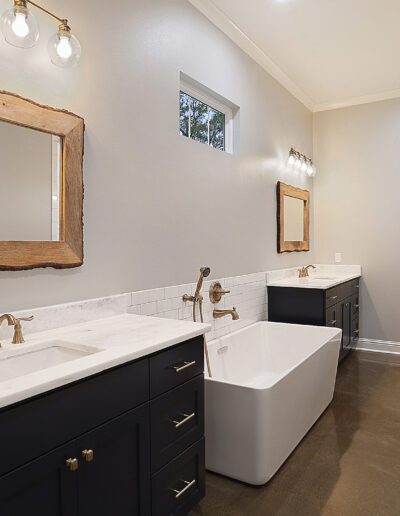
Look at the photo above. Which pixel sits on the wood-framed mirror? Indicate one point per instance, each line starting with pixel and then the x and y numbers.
pixel 293 218
pixel 41 195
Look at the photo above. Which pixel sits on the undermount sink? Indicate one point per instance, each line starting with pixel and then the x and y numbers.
pixel 21 361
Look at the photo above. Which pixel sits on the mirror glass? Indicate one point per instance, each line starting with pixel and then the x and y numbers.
pixel 293 219
pixel 30 170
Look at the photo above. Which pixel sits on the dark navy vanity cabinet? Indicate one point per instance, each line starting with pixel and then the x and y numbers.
pixel 338 307
pixel 128 441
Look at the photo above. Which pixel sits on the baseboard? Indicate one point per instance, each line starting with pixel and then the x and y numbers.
pixel 378 346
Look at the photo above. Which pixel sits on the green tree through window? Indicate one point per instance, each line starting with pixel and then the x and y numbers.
pixel 201 122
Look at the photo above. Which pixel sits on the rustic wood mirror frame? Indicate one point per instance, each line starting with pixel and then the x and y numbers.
pixel 287 246
pixel 68 251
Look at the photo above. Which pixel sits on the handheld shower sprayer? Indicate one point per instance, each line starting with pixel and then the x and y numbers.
pixel 198 298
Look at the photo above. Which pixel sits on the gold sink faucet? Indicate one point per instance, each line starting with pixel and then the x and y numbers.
pixel 18 338
pixel 217 314
pixel 303 272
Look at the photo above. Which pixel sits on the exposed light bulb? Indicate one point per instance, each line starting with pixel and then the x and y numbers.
pixel 298 163
pixel 291 160
pixel 64 49
pixel 304 166
pixel 19 25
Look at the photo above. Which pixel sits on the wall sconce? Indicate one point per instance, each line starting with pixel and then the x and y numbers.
pixel 20 29
pixel 300 161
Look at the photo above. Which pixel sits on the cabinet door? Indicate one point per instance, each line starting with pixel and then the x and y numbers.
pixel 43 487
pixel 346 324
pixel 114 472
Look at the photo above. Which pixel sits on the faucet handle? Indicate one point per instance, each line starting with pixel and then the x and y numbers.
pixel 216 292
pixel 18 336
pixel 25 318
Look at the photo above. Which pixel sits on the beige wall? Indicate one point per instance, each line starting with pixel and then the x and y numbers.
pixel 25 188
pixel 357 152
pixel 158 206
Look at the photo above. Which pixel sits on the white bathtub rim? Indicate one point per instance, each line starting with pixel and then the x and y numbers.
pixel 335 333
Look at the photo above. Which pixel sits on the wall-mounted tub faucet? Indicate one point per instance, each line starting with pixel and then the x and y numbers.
pixel 222 313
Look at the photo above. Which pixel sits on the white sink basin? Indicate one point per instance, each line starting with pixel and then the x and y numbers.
pixel 23 360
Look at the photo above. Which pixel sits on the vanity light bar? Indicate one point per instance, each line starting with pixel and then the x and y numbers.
pixel 20 29
pixel 299 161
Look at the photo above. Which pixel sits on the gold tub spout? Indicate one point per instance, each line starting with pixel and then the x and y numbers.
pixel 217 314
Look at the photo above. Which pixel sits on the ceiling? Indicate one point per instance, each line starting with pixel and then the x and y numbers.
pixel 328 53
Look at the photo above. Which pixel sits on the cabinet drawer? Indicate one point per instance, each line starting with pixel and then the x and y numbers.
pixel 53 419
pixel 180 484
pixel 176 366
pixel 333 296
pixel 177 421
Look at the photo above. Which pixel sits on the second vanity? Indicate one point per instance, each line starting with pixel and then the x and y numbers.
pixel 117 431
pixel 330 296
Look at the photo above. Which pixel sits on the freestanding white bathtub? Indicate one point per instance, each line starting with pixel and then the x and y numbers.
pixel 270 383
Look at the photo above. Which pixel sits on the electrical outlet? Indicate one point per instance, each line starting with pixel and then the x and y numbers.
pixel 338 257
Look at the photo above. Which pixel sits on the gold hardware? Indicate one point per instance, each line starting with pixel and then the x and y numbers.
pixel 187 417
pixel 332 323
pixel 356 332
pixel 88 455
pixel 216 292
pixel 186 488
pixel 178 369
pixel 18 337
pixel 10 320
pixel 356 306
pixel 333 297
pixel 217 314
pixel 198 298
pixel 72 464
pixel 61 20
pixel 303 272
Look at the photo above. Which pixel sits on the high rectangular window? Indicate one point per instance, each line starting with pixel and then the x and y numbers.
pixel 204 118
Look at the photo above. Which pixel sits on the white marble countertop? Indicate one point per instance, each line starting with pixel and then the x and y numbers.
pixel 323 277
pixel 120 339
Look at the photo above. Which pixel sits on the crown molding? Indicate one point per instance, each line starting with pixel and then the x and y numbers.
pixel 357 101
pixel 226 25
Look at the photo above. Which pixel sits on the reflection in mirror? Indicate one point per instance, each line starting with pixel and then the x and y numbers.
pixel 293 229
pixel 30 173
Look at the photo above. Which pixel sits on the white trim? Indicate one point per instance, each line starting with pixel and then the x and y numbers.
pixel 211 101
pixel 378 346
pixel 226 25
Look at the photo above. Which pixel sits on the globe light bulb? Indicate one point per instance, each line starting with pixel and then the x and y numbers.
pixel 298 163
pixel 304 166
pixel 64 48
pixel 291 160
pixel 19 25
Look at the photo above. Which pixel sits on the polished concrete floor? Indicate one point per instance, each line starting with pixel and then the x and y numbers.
pixel 347 465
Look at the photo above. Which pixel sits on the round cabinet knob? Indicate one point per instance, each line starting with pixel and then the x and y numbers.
pixel 88 455
pixel 72 464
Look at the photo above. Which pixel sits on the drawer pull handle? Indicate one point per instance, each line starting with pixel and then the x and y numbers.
pixel 356 306
pixel 187 417
pixel 186 488
pixel 332 323
pixel 356 332
pixel 72 464
pixel 88 455
pixel 178 369
pixel 333 297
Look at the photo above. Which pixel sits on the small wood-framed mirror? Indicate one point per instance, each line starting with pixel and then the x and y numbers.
pixel 41 194
pixel 293 218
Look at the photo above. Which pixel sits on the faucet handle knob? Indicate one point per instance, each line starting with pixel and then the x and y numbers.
pixel 216 292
